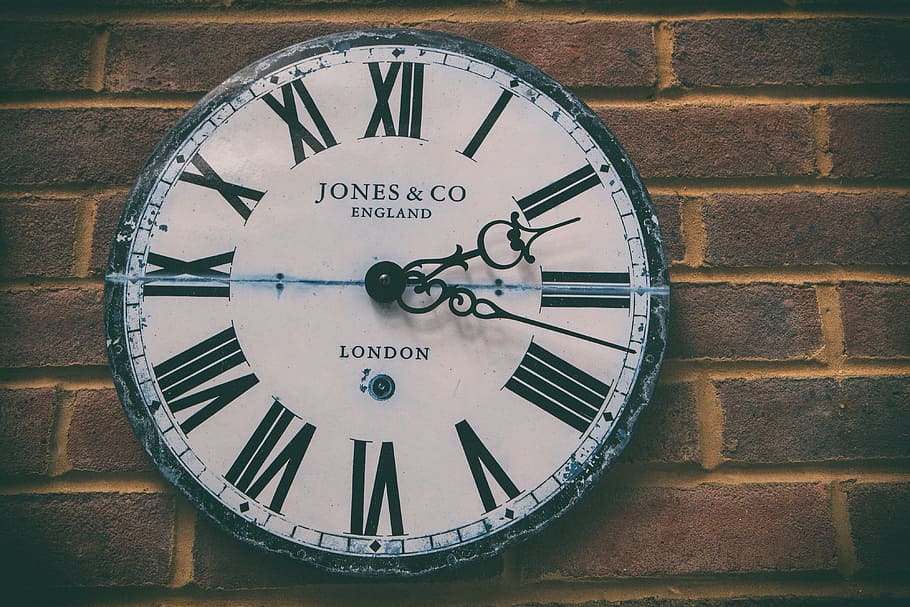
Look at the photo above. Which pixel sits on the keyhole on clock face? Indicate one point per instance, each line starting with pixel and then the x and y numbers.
pixel 381 387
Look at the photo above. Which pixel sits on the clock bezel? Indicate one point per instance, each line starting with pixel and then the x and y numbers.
pixel 168 463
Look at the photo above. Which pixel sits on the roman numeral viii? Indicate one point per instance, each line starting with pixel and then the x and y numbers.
pixel 179 273
pixel 558 192
pixel 233 193
pixel 253 456
pixel 558 387
pixel 478 457
pixel 299 134
pixel 196 365
pixel 410 107
pixel 585 290
pixel 385 484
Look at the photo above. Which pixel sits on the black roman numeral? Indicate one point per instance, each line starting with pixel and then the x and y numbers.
pixel 479 456
pixel 559 191
pixel 385 484
pixel 299 134
pixel 233 193
pixel 194 366
pixel 244 471
pixel 558 387
pixel 178 272
pixel 585 290
pixel 410 109
pixel 487 124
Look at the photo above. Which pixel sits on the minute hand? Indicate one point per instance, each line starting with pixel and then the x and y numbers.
pixel 463 302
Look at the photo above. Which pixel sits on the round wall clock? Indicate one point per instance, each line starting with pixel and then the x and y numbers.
pixel 386 301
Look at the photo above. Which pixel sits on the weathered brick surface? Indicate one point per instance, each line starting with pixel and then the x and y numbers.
pixel 106 219
pixel 26 418
pixel 876 322
pixel 55 146
pixel 667 207
pixel 37 236
pixel 870 140
pixel 778 420
pixel 100 437
pixel 86 539
pixel 880 526
pixel 734 52
pixel 762 321
pixel 708 529
pixel 197 57
pixel 807 228
pixel 44 57
pixel 715 141
pixel 668 429
pixel 51 327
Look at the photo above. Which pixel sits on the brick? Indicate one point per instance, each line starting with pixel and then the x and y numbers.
pixel 221 561
pixel 100 437
pixel 44 57
pixel 805 52
pixel 60 146
pixel 197 57
pixel 879 525
pixel 667 207
pixel 807 228
pixel 875 319
pixel 668 428
pixel 48 327
pixel 715 141
pixel 870 140
pixel 26 418
pixel 36 237
pixel 784 420
pixel 107 218
pixel 757 321
pixel 708 529
pixel 86 539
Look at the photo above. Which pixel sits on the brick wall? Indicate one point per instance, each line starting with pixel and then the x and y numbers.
pixel 774 465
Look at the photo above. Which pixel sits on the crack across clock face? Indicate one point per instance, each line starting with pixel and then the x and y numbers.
pixel 389 301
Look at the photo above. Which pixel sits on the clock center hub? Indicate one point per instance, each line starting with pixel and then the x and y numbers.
pixel 385 281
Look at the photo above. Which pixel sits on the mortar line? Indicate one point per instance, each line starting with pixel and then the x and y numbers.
pixel 98 58
pixel 820 127
pixel 831 275
pixel 843 534
pixel 183 570
pixel 694 188
pixel 67 378
pixel 691 371
pixel 59 463
pixel 693 231
pixel 39 284
pixel 832 327
pixel 89 482
pixel 710 416
pixel 86 213
pixel 664 39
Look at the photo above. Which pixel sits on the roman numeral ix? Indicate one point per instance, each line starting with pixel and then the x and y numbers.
pixel 178 272
pixel 298 133
pixel 558 387
pixel 384 484
pixel 478 457
pixel 253 456
pixel 585 290
pixel 410 107
pixel 558 192
pixel 233 193
pixel 188 370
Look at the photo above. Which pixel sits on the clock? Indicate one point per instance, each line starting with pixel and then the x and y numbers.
pixel 386 301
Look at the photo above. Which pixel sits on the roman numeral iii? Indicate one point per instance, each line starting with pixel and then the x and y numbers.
pixel 384 484
pixel 478 457
pixel 233 193
pixel 410 107
pixel 558 387
pixel 585 290
pixel 177 272
pixel 250 461
pixel 298 133
pixel 558 192
pixel 196 365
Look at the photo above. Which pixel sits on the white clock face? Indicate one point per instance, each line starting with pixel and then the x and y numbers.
pixel 510 303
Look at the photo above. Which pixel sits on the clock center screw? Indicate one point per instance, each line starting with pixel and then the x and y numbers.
pixel 385 281
pixel 382 387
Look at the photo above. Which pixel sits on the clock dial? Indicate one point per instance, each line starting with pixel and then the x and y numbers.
pixel 386 301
